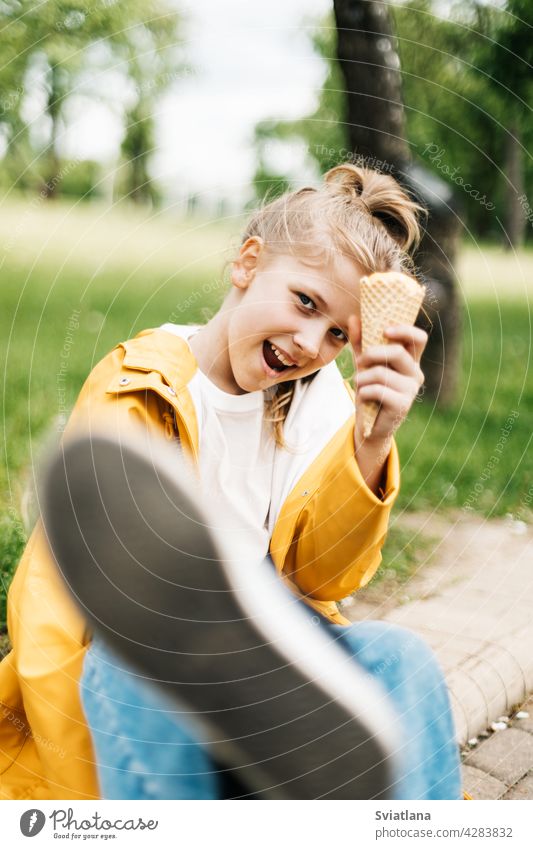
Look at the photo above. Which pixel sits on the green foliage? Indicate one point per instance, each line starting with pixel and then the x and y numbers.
pixel 268 185
pixel 404 553
pixel 12 541
pixel 449 107
pixel 508 56
pixel 477 455
pixel 138 143
pixel 4 645
pixel 81 180
pixel 460 86
pixel 457 111
pixel 65 50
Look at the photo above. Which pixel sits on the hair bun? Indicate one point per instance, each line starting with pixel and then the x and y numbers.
pixel 380 196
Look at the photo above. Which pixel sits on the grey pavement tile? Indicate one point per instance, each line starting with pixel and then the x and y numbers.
pixel 514 587
pixel 445 644
pixel 480 785
pixel 456 642
pixel 454 618
pixel 523 789
pixel 508 663
pixel 468 695
pixel 518 646
pixel 499 677
pixel 477 619
pixel 508 622
pixel 436 616
pixel 484 601
pixel 525 724
pixel 460 721
pixel 507 755
pixel 450 657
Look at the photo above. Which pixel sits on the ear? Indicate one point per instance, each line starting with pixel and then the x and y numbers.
pixel 244 267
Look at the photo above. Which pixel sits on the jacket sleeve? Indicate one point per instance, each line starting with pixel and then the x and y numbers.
pixel 341 528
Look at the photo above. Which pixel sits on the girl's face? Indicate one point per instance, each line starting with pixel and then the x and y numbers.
pixel 289 318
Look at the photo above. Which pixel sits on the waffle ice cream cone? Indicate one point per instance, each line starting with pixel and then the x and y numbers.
pixel 387 299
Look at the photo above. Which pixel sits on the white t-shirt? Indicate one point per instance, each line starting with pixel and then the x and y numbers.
pixel 241 468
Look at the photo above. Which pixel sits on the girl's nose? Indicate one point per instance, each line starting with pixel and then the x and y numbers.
pixel 308 342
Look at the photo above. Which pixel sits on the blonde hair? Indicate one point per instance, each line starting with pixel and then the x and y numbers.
pixel 357 212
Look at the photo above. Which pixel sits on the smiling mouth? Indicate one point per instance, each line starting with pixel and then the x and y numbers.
pixel 274 359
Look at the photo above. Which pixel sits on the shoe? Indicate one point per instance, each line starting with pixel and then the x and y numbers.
pixel 276 700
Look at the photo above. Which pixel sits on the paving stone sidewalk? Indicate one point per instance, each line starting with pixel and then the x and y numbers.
pixel 501 766
pixel 474 606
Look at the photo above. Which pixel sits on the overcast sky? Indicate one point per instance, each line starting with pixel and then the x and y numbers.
pixel 250 62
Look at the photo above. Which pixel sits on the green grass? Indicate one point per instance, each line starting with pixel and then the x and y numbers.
pixel 403 554
pixel 4 645
pixel 120 272
pixel 477 455
pixel 12 538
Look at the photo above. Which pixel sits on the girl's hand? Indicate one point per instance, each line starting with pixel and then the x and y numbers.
pixel 389 374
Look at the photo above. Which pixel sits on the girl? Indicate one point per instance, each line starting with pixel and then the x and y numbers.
pixel 255 400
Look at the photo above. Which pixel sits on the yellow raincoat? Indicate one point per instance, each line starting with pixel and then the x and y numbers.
pixel 45 746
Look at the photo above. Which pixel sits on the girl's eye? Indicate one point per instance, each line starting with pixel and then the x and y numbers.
pixel 306 301
pixel 309 305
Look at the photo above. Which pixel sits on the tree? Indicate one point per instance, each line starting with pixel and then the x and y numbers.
pixel 451 111
pixel 467 82
pixel 508 61
pixel 368 59
pixel 367 53
pixel 136 149
pixel 55 45
pixel 456 110
pixel 265 183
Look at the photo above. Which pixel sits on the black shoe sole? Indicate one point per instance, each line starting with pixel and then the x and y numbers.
pixel 276 699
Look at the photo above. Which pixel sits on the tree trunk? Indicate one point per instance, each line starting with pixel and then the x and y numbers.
pixel 137 147
pixel 515 220
pixel 368 58
pixel 53 107
pixel 366 49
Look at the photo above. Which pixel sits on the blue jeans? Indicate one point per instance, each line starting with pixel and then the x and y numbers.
pixel 148 750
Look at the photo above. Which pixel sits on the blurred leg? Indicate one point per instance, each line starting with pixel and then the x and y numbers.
pixel 130 533
pixel 147 751
pixel 283 705
pixel 408 670
pixel 144 749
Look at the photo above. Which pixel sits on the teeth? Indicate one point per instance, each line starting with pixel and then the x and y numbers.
pixel 280 356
